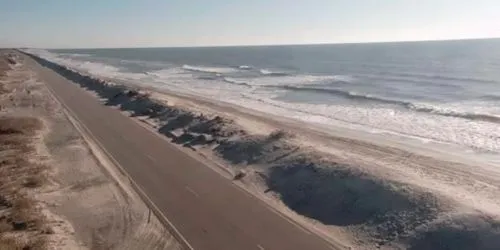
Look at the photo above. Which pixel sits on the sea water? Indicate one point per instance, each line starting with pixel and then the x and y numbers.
pixel 444 91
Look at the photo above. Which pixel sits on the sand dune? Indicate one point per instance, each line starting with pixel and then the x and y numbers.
pixel 369 203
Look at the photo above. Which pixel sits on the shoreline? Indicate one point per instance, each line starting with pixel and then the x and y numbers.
pixel 283 163
pixel 460 128
pixel 435 149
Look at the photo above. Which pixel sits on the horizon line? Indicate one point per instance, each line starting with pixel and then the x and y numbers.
pixel 271 45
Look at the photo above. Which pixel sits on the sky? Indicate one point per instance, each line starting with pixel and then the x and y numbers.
pixel 164 23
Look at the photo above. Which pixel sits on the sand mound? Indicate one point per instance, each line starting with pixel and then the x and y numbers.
pixel 310 183
pixel 461 232
pixel 339 195
pixel 252 149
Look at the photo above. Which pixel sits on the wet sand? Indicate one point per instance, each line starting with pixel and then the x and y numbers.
pixel 349 188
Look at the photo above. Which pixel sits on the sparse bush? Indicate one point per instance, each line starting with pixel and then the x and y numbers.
pixel 4 202
pixel 38 243
pixel 239 175
pixel 22 202
pixel 19 125
pixel 19 243
pixel 277 134
pixel 19 212
pixel 33 181
pixel 11 243
pixel 132 93
pixel 11 61
pixel 48 230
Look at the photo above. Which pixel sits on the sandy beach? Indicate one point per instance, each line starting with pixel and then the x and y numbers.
pixel 359 191
pixel 59 192
pixel 250 125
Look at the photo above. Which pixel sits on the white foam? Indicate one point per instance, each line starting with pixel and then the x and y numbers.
pixel 426 127
pixel 219 70
pixel 271 72
pixel 236 81
pixel 153 64
pixel 94 68
pixel 290 80
pixel 471 107
pixel 169 73
pixel 474 134
pixel 78 55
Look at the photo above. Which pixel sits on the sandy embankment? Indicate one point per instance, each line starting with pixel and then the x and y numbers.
pixel 363 194
pixel 74 203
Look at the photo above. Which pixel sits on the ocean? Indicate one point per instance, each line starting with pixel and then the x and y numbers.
pixel 443 91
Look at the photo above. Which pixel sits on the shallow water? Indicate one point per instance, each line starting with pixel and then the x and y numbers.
pixel 444 91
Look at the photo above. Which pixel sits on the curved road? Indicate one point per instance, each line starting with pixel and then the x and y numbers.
pixel 208 210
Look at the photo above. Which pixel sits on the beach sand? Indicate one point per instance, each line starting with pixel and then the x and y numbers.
pixel 76 201
pixel 364 191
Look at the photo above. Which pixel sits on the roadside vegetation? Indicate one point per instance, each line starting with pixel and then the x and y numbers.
pixel 22 225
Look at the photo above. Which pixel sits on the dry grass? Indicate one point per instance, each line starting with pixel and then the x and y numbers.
pixel 19 243
pixel 5 227
pixel 21 224
pixel 4 67
pixel 4 62
pixel 34 181
pixel 277 135
pixel 11 243
pixel 19 125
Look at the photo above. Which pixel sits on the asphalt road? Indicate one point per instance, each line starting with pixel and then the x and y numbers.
pixel 207 209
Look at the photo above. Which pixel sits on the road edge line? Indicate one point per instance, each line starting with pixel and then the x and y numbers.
pixel 89 137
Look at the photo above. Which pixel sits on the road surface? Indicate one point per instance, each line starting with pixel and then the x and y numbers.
pixel 208 210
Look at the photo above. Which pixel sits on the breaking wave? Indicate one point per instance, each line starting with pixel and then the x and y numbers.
pixel 214 70
pixel 235 81
pixel 267 72
pixel 343 93
pixel 78 55
pixel 455 113
pixel 424 108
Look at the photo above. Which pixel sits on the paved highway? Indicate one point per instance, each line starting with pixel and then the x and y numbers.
pixel 208 210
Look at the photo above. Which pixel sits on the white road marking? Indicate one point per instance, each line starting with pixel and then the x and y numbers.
pixel 260 247
pixel 192 191
pixel 151 158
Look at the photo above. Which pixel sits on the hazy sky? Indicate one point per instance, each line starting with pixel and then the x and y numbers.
pixel 145 23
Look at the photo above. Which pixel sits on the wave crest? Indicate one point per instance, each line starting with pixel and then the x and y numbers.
pixel 78 55
pixel 235 81
pixel 345 94
pixel 267 72
pixel 213 70
pixel 454 113
pixel 424 108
